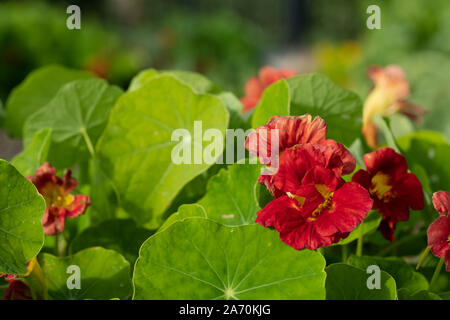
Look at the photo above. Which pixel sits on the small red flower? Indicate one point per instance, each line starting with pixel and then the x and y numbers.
pixel 17 290
pixel 441 202
pixel 255 85
pixel 314 206
pixel 292 131
pixel 439 239
pixel 392 188
pixel 60 203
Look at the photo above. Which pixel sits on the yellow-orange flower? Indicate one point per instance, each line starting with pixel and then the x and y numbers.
pixel 388 96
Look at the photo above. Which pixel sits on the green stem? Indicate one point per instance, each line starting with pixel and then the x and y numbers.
pixel 88 141
pixel 344 253
pixel 359 245
pixel 422 257
pixel 436 273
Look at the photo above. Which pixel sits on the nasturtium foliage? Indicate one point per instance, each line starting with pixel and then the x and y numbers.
pixel 231 196
pixel 103 274
pixel 405 294
pixel 430 150
pixel 136 147
pixel 370 224
pixel 404 274
pixel 77 116
pixel 186 211
pixel 345 282
pixel 197 82
pixel 35 92
pixel 243 262
pixel 21 211
pixel 317 95
pixel 121 235
pixel 34 154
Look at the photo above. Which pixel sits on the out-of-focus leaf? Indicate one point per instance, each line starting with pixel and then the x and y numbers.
pixel 77 116
pixel 345 282
pixel 104 274
pixel 39 87
pixel 34 154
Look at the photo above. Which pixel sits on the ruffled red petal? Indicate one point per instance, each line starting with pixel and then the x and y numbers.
pixel 78 206
pixel 438 236
pixel 53 221
pixel 441 202
pixel 17 290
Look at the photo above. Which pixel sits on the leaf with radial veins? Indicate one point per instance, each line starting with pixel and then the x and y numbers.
pixel 21 211
pixel 77 116
pixel 211 261
pixel 39 87
pixel 185 211
pixel 104 274
pixel 231 195
pixel 136 147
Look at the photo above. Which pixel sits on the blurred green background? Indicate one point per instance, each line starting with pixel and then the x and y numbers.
pixel 229 40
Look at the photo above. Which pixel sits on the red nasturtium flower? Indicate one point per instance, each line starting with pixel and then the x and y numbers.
pixel 392 188
pixel 256 85
pixel 315 207
pixel 388 97
pixel 17 290
pixel 439 239
pixel 294 131
pixel 60 204
pixel 441 202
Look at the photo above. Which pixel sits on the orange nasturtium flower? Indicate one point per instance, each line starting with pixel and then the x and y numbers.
pixel 387 97
pixel 60 203
pixel 255 85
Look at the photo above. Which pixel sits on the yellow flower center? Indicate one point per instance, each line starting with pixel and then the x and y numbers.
pixel 380 185
pixel 326 204
pixel 55 196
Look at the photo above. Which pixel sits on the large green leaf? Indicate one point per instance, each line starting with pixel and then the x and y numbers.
pixel 197 82
pixel 231 195
pixel 404 275
pixel 35 92
pixel 185 211
pixel 136 146
pixel 211 261
pixel 317 95
pixel 34 154
pixel 21 210
pixel 275 101
pixel 121 235
pixel 104 274
pixel 77 116
pixel 405 294
pixel 431 151
pixel 346 282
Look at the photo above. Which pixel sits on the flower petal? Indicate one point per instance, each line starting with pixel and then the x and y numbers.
pixel 441 201
pixel 78 206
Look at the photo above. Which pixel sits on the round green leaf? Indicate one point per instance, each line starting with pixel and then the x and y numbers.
pixel 275 101
pixel 77 116
pixel 136 146
pixel 106 235
pixel 211 261
pixel 404 274
pixel 185 211
pixel 231 196
pixel 104 274
pixel 35 92
pixel 21 211
pixel 346 282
